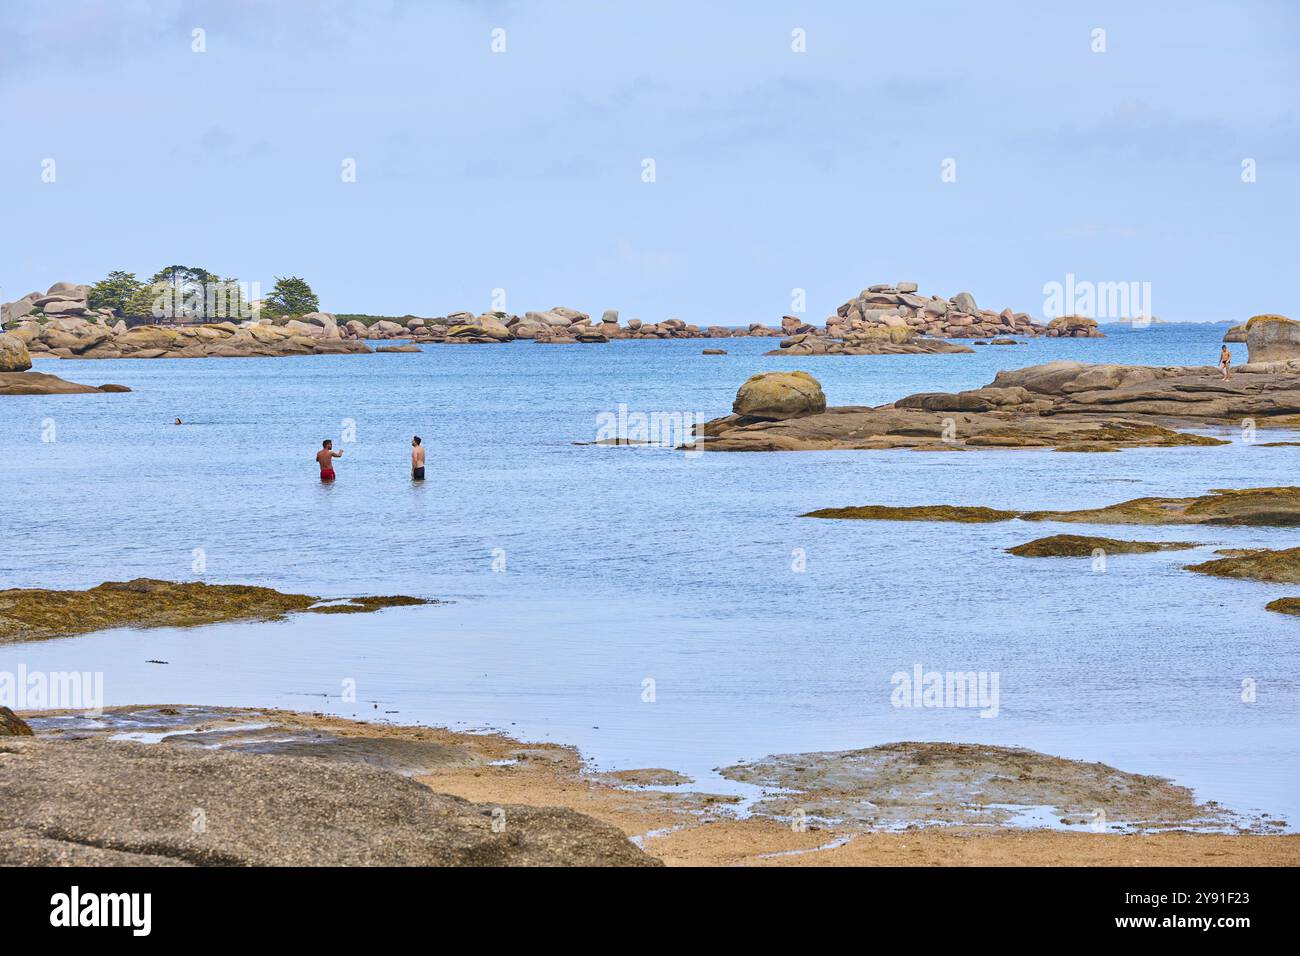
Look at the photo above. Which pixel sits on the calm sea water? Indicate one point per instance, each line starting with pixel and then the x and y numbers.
pixel 628 565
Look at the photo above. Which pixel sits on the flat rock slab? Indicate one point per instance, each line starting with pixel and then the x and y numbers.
pixel 901 784
pixel 39 383
pixel 99 802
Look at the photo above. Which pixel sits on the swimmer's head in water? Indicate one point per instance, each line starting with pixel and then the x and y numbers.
pixel 327 443
pixel 415 440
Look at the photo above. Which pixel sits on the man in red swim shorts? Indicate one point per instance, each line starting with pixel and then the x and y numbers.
pixel 325 458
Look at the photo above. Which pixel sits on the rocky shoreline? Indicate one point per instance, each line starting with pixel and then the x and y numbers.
pixel 1062 405
pixel 85 791
pixel 882 320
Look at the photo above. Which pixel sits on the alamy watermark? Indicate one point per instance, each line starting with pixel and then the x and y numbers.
pixel 1098 300
pixel 663 429
pixel 959 689
pixel 53 690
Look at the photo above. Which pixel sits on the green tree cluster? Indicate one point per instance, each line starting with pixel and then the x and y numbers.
pixel 191 293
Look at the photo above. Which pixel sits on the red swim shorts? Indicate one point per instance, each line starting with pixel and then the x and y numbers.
pixel 327 474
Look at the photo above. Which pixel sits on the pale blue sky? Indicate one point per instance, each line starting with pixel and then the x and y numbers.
pixel 775 170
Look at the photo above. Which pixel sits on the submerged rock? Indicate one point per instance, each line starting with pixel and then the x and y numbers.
pixel 1083 546
pixel 33 614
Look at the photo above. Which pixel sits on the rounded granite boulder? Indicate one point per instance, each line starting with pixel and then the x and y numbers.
pixel 779 395
pixel 1272 338
pixel 13 354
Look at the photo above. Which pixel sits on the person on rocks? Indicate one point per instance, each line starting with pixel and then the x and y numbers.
pixel 417 459
pixel 1225 362
pixel 325 458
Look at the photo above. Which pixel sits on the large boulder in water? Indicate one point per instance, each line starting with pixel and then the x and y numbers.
pixel 1272 338
pixel 780 395
pixel 13 354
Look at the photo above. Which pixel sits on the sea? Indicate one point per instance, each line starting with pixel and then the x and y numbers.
pixel 654 608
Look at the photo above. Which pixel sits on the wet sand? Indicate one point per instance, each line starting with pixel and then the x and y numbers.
pixel 684 826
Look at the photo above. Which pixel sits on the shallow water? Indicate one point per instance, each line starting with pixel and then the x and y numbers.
pixel 627 564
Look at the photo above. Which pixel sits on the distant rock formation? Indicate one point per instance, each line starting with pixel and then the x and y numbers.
pixel 63 300
pixel 900 306
pixel 559 326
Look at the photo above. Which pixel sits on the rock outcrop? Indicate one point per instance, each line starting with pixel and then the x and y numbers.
pixel 38 383
pixel 62 300
pixel 95 338
pixel 1273 340
pixel 556 326
pixel 900 306
pixel 94 802
pixel 877 340
pixel 1068 406
pixel 1074 327
pixel 14 356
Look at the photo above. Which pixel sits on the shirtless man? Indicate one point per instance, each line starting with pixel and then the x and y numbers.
pixel 325 458
pixel 417 459
pixel 1225 362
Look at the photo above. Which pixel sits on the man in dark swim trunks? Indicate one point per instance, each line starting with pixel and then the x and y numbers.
pixel 325 458
pixel 417 459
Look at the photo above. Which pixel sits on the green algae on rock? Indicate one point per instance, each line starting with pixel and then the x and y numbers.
pixel 34 614
pixel 961 513
pixel 11 725
pixel 1083 546
pixel 1256 564
pixel 363 605
pixel 1252 507
pixel 1286 605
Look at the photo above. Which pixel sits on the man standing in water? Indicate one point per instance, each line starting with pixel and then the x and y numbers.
pixel 325 458
pixel 1225 362
pixel 417 459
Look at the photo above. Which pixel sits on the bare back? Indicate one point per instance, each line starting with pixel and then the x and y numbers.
pixel 417 456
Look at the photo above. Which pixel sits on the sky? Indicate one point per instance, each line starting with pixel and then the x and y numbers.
pixel 983 147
